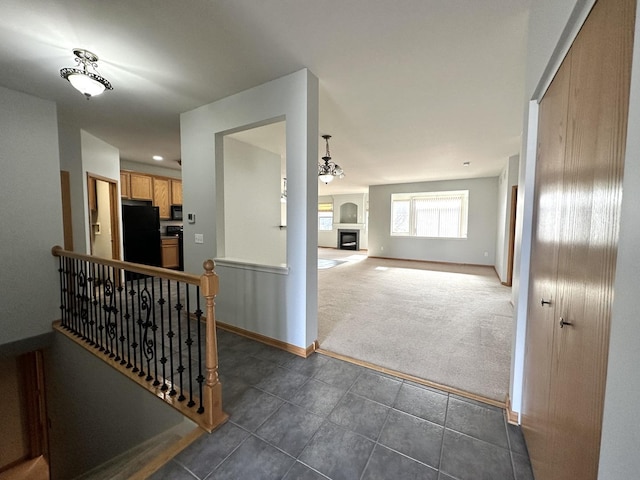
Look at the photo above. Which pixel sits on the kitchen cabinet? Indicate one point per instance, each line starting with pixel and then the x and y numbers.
pixel 176 192
pixel 125 185
pixel 170 253
pixel 161 188
pixel 141 187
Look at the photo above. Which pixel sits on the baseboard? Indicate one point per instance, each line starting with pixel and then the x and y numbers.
pixel 287 347
pixel 435 261
pixel 512 417
pixel 411 378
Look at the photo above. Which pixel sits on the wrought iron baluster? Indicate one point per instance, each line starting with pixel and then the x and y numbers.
pixel 189 343
pixel 78 321
pixel 179 307
pixel 134 343
pixel 96 321
pixel 163 358
pixel 200 378
pixel 128 316
pixel 138 359
pixel 110 310
pixel 146 345
pixel 118 275
pixel 154 327
pixel 83 283
pixel 171 334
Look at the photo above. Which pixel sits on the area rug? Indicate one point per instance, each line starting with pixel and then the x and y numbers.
pixel 448 324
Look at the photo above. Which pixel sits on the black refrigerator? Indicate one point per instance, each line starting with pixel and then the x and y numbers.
pixel 141 234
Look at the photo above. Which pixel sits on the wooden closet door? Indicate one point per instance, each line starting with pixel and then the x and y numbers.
pixel 562 411
pixel 536 419
pixel 596 139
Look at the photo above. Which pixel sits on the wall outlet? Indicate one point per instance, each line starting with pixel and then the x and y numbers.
pixel 381 248
pixel 199 237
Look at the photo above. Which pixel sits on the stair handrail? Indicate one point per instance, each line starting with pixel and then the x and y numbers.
pixel 213 415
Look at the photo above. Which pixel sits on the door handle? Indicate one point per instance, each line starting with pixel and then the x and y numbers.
pixel 544 302
pixel 563 323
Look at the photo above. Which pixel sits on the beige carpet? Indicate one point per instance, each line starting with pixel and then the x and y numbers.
pixel 448 324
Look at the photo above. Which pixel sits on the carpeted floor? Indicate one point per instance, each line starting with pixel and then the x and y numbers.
pixel 448 324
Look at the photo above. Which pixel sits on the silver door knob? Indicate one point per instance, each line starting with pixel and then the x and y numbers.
pixel 563 323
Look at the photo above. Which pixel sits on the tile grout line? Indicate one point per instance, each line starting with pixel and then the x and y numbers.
pixel 444 431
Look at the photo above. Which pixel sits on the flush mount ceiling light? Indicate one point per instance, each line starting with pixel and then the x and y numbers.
pixel 329 169
pixel 85 81
pixel 158 158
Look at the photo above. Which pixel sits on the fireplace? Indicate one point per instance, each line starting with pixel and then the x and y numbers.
pixel 349 239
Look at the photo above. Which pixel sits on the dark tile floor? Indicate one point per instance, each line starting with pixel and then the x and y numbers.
pixel 316 418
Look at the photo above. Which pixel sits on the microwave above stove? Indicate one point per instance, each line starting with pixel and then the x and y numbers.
pixel 176 212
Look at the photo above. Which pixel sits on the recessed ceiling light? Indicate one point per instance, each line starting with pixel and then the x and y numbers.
pixel 157 157
pixel 466 164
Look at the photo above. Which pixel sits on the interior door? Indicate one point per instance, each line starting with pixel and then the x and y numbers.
pixel 542 294
pixel 593 171
pixel 577 204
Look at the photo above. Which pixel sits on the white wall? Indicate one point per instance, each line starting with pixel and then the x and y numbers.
pixel 96 412
pixel 82 153
pixel 31 213
pixel 507 179
pixel 481 234
pixel 293 98
pixel 252 205
pixel 101 159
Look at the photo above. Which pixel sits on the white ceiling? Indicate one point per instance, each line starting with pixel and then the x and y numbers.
pixel 409 89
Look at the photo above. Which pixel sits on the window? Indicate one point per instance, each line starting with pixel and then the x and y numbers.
pixel 325 216
pixel 430 214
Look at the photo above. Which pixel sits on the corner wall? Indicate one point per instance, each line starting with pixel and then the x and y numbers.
pixel 481 233
pixel 82 153
pixel 31 214
pixel 282 305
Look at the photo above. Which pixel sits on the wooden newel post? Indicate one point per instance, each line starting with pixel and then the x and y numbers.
pixel 212 391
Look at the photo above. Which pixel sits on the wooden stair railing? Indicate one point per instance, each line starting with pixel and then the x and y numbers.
pixel 146 322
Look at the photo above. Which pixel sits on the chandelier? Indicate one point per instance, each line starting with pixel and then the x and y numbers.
pixel 329 169
pixel 85 81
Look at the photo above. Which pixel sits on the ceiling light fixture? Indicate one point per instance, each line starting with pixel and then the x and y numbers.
pixel 329 169
pixel 466 164
pixel 157 157
pixel 86 82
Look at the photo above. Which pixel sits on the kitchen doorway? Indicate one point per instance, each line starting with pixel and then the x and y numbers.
pixel 104 220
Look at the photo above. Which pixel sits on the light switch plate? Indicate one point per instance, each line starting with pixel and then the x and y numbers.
pixel 199 238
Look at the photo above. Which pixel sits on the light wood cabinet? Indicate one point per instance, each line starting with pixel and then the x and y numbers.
pixel 170 253
pixel 141 186
pixel 176 192
pixel 125 185
pixel 161 197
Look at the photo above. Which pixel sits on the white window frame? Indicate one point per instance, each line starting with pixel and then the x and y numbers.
pixel 414 198
pixel 325 210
